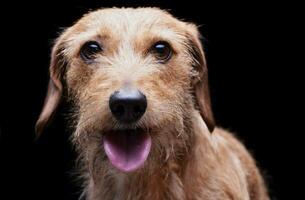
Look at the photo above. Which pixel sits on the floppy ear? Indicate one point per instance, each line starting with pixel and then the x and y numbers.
pixel 55 88
pixel 200 82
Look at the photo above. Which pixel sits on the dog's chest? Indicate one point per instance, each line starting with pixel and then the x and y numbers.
pixel 120 193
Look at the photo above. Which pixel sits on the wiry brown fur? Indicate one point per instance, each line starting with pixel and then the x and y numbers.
pixel 187 161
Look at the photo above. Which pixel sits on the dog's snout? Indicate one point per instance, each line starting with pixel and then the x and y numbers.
pixel 128 105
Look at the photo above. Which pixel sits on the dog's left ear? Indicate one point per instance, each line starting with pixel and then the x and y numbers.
pixel 200 80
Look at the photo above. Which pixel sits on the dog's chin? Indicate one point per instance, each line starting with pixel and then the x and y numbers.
pixel 127 149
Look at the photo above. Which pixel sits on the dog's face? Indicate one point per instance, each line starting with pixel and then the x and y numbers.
pixel 134 76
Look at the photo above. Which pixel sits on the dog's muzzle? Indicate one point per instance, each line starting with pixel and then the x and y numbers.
pixel 127 149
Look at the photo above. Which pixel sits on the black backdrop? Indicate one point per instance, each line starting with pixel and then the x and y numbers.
pixel 246 64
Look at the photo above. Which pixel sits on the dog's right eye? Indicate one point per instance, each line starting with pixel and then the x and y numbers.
pixel 89 50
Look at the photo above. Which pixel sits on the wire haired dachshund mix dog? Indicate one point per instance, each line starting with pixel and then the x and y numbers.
pixel 144 128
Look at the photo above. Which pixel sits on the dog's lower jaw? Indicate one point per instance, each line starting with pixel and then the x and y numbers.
pixel 155 181
pixel 160 178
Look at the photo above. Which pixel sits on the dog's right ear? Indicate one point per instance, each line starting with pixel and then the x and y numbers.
pixel 55 87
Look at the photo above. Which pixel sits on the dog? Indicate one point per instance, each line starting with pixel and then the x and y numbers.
pixel 143 124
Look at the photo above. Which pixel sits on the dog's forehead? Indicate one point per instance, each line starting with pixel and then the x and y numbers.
pixel 129 17
pixel 124 21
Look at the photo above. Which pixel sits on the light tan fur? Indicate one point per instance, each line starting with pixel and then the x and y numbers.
pixel 187 161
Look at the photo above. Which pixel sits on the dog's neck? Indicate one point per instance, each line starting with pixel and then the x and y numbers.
pixel 166 182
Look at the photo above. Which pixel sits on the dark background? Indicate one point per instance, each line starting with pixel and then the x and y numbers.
pixel 249 70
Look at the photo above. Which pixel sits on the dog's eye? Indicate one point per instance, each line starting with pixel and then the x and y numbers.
pixel 162 51
pixel 89 50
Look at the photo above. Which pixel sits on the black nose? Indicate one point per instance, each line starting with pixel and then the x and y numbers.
pixel 128 105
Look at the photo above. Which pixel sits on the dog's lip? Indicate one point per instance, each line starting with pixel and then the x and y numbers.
pixel 127 149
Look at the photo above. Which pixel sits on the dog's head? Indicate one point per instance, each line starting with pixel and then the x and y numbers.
pixel 135 76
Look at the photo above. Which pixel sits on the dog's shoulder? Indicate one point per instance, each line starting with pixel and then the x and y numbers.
pixel 242 158
pixel 225 140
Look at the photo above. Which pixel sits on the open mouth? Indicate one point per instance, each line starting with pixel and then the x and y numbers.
pixel 127 150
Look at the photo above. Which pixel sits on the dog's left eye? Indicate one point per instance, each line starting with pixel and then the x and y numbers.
pixel 162 51
pixel 89 50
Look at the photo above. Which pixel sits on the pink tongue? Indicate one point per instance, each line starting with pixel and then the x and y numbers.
pixel 128 150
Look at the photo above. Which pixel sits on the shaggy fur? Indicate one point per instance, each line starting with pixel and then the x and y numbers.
pixel 189 158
